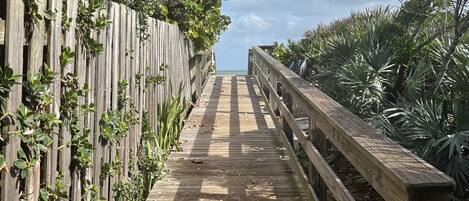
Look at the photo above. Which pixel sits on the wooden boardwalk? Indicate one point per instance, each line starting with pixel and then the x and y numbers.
pixel 231 150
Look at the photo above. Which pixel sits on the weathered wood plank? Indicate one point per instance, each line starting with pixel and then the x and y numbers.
pixel 131 78
pixel 36 43
pixel 128 53
pixel 54 51
pixel 81 73
pixel 65 130
pixel 319 141
pixel 116 31
pixel 212 168
pixel 14 58
pixel 2 31
pixel 121 150
pixel 35 63
pixel 106 39
pixel 336 186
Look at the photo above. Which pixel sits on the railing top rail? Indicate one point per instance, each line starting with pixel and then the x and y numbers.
pixel 385 164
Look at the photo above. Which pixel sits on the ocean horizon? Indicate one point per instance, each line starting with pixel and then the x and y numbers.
pixel 231 72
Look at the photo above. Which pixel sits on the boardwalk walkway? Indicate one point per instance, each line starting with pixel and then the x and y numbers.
pixel 230 150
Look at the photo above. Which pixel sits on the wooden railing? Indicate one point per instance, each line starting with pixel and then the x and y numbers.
pixel 394 172
pixel 200 71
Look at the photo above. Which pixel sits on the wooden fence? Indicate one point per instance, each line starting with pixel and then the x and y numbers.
pixel 125 57
pixel 394 172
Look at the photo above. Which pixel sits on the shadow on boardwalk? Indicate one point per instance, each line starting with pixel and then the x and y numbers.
pixel 230 150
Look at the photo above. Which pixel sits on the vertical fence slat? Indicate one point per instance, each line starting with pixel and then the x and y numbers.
pixel 91 80
pixel 115 75
pixel 66 138
pixel 14 32
pixel 81 73
pixel 54 51
pixel 35 62
pixel 128 50
pixel 36 43
pixel 121 150
pixel 106 63
pixel 131 76
pixel 153 99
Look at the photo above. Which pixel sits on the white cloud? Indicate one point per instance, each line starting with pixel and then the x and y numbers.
pixel 252 21
pixel 265 21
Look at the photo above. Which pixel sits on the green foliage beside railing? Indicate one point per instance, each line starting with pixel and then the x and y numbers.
pixel 405 71
pixel 202 21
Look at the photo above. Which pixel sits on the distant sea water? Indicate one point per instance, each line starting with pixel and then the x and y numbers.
pixel 232 72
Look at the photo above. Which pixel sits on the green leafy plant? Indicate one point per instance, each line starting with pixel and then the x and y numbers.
pixel 70 110
pixel 110 169
pixel 130 189
pixel 151 162
pixel 154 149
pixel 201 21
pixel 171 114
pixel 115 124
pixel 91 18
pixel 7 80
pixel 36 122
pixel 54 194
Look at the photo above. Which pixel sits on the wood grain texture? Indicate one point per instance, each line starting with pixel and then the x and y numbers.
pixel 35 63
pixel 114 78
pixel 392 170
pixel 121 150
pixel 54 43
pixel 226 162
pixel 65 154
pixel 2 32
pixel 337 188
pixel 14 58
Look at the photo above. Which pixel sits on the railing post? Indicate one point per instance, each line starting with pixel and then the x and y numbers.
pixel 319 141
pixel 250 62
pixel 288 101
pixel 273 82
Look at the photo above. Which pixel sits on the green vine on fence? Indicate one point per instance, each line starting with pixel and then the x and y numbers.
pixel 56 193
pixel 36 125
pixel 152 80
pixel 71 108
pixel 91 18
pixel 115 124
pixel 7 80
pixel 36 121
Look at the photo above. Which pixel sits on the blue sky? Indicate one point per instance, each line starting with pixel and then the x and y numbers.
pixel 255 22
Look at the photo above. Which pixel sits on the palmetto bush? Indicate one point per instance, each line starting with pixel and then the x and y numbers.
pixel 405 71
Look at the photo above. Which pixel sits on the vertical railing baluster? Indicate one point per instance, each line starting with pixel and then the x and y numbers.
pixel 319 141
pixel 288 101
pixel 250 62
pixel 273 82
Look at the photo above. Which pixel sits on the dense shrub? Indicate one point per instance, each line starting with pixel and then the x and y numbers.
pixel 201 20
pixel 405 71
